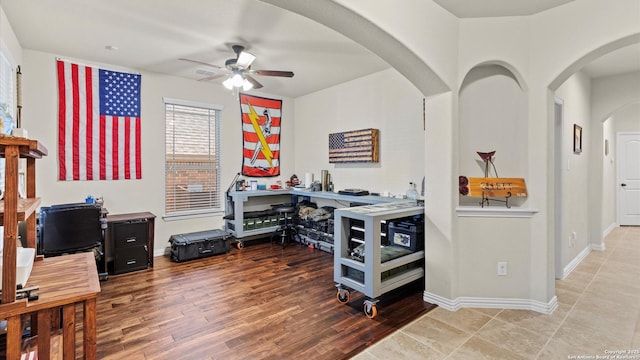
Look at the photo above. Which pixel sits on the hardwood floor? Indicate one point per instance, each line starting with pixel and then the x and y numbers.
pixel 261 302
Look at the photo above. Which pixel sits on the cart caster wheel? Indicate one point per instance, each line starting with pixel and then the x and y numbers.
pixel 343 298
pixel 372 312
pixel 240 245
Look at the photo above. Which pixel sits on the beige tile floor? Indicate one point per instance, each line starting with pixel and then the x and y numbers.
pixel 599 311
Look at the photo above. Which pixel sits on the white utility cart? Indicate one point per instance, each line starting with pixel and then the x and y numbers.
pixel 368 273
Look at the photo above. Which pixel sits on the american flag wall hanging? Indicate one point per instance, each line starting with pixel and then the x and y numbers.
pixel 261 119
pixel 354 146
pixel 99 136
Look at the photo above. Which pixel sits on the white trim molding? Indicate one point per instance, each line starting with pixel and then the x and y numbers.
pixel 575 262
pixel 605 233
pixel 492 303
pixel 496 212
pixel 609 229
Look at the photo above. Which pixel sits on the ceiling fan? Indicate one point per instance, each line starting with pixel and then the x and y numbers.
pixel 238 70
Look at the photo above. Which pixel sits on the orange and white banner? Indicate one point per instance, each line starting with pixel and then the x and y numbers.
pixel 261 118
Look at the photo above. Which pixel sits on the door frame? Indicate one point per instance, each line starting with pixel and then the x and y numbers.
pixel 558 165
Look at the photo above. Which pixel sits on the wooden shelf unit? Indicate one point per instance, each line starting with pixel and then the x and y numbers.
pixel 14 209
pixel 64 281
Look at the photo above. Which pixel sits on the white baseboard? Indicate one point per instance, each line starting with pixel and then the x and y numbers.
pixel 605 233
pixel 575 262
pixel 609 229
pixel 492 303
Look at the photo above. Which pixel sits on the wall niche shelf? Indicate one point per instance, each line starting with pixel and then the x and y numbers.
pixel 497 212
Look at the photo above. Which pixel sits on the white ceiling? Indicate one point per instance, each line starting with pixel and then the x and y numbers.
pixel 494 8
pixel 622 61
pixel 151 35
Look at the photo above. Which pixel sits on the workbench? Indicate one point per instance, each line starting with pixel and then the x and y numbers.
pixel 372 277
pixel 239 202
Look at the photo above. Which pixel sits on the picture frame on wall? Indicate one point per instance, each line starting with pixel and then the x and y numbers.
pixel 577 138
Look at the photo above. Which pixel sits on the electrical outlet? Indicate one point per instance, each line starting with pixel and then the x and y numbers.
pixel 502 268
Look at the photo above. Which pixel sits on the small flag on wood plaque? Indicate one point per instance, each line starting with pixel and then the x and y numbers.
pixel 354 146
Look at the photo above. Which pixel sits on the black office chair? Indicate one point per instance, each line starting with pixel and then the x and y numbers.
pixel 71 228
pixel 286 230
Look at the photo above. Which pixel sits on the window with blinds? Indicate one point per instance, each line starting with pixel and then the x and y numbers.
pixel 7 88
pixel 192 161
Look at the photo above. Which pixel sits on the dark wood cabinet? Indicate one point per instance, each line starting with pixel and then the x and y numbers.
pixel 129 242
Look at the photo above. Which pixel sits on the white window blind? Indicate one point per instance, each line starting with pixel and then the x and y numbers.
pixel 7 104
pixel 7 86
pixel 192 181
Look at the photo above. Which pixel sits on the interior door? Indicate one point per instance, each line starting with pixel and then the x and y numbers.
pixel 628 152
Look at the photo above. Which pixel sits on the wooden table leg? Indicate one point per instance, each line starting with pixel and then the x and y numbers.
pixel 44 334
pixel 90 329
pixel 14 337
pixel 69 332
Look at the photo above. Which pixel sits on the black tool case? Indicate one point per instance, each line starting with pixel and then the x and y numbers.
pixel 198 245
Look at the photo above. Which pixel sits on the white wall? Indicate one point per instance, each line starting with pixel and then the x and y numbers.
pixel 492 116
pixel 612 93
pixel 562 40
pixel 608 94
pixel 424 27
pixel 576 96
pixel 147 194
pixel 613 98
pixel 609 188
pixel 440 157
pixel 384 101
pixel 627 119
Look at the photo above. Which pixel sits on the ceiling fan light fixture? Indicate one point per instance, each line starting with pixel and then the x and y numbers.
pixel 237 79
pixel 228 83
pixel 247 85
pixel 245 59
pixel 237 70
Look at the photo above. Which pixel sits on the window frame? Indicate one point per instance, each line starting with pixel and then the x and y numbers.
pixel 8 81
pixel 214 121
pixel 9 68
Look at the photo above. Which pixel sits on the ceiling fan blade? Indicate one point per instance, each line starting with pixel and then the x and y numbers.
pixel 273 73
pixel 254 82
pixel 245 59
pixel 212 77
pixel 201 63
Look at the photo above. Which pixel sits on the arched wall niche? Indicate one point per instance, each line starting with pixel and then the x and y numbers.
pixel 490 68
pixel 493 111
